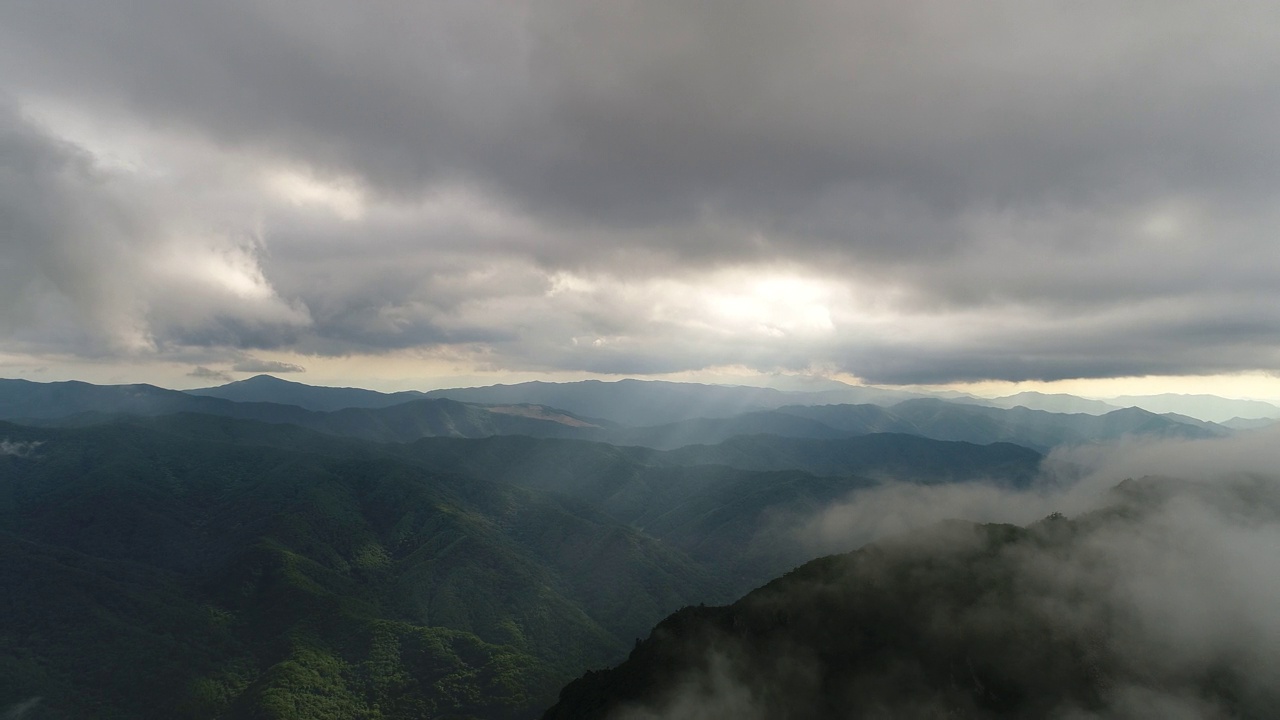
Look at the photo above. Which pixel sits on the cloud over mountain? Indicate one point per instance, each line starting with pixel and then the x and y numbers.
pixel 1159 600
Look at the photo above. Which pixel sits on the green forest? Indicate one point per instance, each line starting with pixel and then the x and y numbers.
pixel 165 560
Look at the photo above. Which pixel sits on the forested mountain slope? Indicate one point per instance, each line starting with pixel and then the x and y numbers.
pixel 201 578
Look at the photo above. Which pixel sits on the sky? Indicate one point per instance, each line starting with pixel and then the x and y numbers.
pixel 995 196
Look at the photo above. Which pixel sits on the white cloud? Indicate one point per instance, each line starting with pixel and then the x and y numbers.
pixel 20 448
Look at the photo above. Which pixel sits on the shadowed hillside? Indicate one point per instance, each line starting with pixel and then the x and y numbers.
pixel 243 580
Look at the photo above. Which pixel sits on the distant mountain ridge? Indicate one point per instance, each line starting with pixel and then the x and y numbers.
pixel 267 388
pixel 656 402
pixel 640 403
pixel 931 418
pixel 431 557
pixel 1207 407
pixel 82 403
pixel 35 400
pixel 428 417
pixel 1210 408
pixel 1056 402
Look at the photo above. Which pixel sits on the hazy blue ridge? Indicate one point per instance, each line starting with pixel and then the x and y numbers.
pixel 266 388
pixel 80 403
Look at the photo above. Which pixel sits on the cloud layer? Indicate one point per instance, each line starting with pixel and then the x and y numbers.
pixel 919 193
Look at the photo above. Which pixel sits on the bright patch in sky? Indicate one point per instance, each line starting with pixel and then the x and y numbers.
pixel 343 199
pixel 229 269
pixel 772 305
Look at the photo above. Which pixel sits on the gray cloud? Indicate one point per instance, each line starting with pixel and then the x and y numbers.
pixel 1073 480
pixel 636 106
pixel 266 366
pixel 205 373
pixel 1023 191
pixel 91 265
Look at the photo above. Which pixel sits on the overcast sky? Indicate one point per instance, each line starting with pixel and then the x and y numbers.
pixel 410 192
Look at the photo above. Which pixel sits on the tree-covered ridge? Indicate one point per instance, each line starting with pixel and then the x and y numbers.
pixel 156 574
pixel 97 639
pixel 736 521
pixel 252 569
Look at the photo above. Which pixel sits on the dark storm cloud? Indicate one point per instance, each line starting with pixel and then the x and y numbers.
pixel 1074 173
pixel 648 111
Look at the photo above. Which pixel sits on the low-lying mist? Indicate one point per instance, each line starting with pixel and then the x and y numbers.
pixel 19 448
pixel 20 711
pixel 1164 579
pixel 1072 481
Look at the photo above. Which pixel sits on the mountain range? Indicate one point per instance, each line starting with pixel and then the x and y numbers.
pixel 638 402
pixel 441 417
pixel 224 572
pixel 265 550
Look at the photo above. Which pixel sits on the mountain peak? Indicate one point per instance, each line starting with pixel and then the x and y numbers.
pixel 264 380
